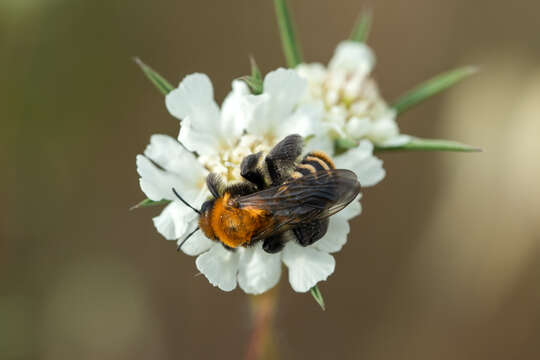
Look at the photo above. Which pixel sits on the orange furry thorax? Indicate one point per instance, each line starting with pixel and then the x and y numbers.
pixel 231 225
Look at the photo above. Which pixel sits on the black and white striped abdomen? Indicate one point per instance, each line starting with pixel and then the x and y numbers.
pixel 313 162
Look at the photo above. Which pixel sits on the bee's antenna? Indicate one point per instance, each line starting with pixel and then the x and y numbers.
pixel 185 202
pixel 187 237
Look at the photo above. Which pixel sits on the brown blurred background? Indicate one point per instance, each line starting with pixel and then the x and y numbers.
pixel 443 264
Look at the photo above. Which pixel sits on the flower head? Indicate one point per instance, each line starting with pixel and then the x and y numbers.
pixel 214 139
pixel 353 106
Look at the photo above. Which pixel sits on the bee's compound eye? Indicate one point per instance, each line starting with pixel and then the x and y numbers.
pixel 204 219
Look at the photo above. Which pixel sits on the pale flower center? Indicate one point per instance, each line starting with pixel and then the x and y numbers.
pixel 227 161
pixel 355 96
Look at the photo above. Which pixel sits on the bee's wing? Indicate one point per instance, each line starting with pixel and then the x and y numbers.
pixel 311 197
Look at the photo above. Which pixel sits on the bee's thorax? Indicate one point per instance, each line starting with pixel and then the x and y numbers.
pixel 227 223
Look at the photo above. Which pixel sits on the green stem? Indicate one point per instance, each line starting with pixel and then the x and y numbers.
pixel 291 48
pixel 261 345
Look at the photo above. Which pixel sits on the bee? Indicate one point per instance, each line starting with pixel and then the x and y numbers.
pixel 281 198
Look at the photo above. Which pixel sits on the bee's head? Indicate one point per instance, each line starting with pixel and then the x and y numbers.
pixel 204 218
pixel 216 186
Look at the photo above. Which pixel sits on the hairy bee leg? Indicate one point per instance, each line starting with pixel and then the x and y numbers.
pixel 240 189
pixel 310 232
pixel 281 160
pixel 250 169
pixel 215 185
pixel 274 244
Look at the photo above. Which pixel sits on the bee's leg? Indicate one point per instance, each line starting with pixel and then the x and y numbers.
pixel 282 158
pixel 250 169
pixel 215 184
pixel 308 233
pixel 274 244
pixel 240 188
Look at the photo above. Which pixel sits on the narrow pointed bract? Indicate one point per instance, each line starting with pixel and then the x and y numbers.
pixel 419 144
pixel 317 295
pixel 148 203
pixel 362 27
pixel 159 81
pixel 431 87
pixel 255 80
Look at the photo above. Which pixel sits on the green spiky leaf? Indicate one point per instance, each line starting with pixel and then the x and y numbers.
pixel 159 81
pixel 291 48
pixel 255 71
pixel 254 85
pixel 431 87
pixel 418 144
pixel 317 295
pixel 255 80
pixel 148 202
pixel 362 27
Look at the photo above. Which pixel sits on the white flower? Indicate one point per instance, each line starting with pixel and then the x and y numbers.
pixel 353 107
pixel 221 138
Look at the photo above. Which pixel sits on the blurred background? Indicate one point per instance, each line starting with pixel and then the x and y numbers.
pixel 443 264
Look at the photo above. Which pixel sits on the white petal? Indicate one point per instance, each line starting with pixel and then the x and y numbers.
pixel 384 128
pixel 194 93
pixel 307 266
pixel 259 271
pixel 313 73
pixel 352 210
pixel 196 244
pixel 285 87
pixel 336 117
pixel 173 157
pixel 335 237
pixel 305 121
pixel 360 159
pixel 358 127
pixel 234 110
pixel 174 220
pixel 338 229
pixel 319 143
pixel 258 109
pixel 193 103
pixel 220 266
pixel 157 184
pixel 353 56
pixel 283 90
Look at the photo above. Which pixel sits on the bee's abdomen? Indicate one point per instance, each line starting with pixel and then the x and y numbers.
pixel 313 162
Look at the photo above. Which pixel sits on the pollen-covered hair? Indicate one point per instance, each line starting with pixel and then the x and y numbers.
pixel 215 185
